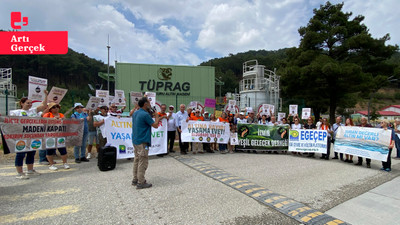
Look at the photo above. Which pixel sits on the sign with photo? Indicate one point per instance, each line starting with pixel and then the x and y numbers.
pixel 36 88
pixel 151 96
pixel 103 95
pixel 93 103
pixel 305 113
pixel 56 95
pixel 119 99
pixel 293 110
pixel 135 97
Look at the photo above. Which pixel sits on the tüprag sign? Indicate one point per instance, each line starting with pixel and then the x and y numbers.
pixel 163 87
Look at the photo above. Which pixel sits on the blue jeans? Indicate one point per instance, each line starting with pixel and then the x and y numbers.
pixel 397 143
pixel 30 158
pixel 82 147
pixel 42 156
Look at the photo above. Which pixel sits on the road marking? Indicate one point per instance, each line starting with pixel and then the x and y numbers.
pixel 37 194
pixel 9 174
pixel 282 204
pixel 40 214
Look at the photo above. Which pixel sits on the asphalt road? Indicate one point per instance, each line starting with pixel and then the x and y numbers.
pixel 182 194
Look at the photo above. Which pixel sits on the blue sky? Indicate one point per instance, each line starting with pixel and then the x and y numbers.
pixel 186 32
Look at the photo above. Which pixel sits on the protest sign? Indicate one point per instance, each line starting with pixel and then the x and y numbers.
pixel 110 100
pixel 103 95
pixel 293 110
pixel 234 139
pixel 56 95
pixel 36 88
pixel 262 137
pixel 265 110
pixel 305 113
pixel 119 98
pixel 218 113
pixel 93 103
pixel 281 116
pixel 24 134
pixel 151 96
pixel 308 141
pixel 209 102
pixel 365 142
pixel 119 135
pixel 205 132
pixel 135 96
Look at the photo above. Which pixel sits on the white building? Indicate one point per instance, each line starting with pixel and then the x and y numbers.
pixel 258 86
pixel 8 91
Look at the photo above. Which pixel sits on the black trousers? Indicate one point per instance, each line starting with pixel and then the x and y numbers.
pixel 171 140
pixel 328 151
pixel 360 160
pixel 388 163
pixel 184 146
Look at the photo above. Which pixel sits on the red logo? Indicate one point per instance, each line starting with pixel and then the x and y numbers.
pixel 16 18
pixel 31 42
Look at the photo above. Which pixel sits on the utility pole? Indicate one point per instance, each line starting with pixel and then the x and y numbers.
pixel 108 64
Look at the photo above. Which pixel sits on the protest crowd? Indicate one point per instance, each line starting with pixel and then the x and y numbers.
pixel 193 118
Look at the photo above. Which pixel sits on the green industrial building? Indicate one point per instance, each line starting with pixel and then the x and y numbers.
pixel 173 84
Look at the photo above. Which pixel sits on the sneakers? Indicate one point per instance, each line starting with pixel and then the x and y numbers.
pixel 32 173
pixel 89 155
pixel 22 176
pixel 388 170
pixel 53 167
pixel 134 182
pixel 84 159
pixel 66 166
pixel 144 185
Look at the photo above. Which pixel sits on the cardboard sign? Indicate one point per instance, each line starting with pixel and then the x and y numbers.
pixel 305 113
pixel 93 103
pixel 135 97
pixel 293 110
pixel 151 96
pixel 103 95
pixel 119 99
pixel 36 88
pixel 56 95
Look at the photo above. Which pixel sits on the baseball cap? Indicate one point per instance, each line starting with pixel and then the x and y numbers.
pixel 171 106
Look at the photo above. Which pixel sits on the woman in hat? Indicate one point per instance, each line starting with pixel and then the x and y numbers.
pixel 81 115
pixel 27 110
pixel 54 113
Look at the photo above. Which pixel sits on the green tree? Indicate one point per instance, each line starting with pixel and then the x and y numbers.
pixel 337 57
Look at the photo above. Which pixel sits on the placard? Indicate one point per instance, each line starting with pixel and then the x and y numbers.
pixel 36 88
pixel 293 110
pixel 103 95
pixel 209 102
pixel 93 103
pixel 305 113
pixel 119 99
pixel 56 95
pixel 151 96
pixel 135 97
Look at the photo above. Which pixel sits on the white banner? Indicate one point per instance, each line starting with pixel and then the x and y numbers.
pixel 365 142
pixel 119 98
pixel 103 95
pixel 151 96
pixel 56 95
pixel 205 131
pixel 119 135
pixel 308 141
pixel 293 110
pixel 135 97
pixel 305 113
pixel 36 88
pixel 93 103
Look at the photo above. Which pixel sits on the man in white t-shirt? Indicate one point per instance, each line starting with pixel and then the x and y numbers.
pixel 241 118
pixel 98 121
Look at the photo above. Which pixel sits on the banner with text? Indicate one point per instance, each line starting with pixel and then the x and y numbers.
pixel 364 142
pixel 262 137
pixel 308 141
pixel 119 135
pixel 205 131
pixel 24 134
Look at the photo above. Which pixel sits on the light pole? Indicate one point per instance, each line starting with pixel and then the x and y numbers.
pixel 108 64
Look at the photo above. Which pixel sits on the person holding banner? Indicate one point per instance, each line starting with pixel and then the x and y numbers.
pixel 196 117
pixel 349 158
pixel 335 128
pixel 397 136
pixel 93 138
pixel 99 123
pixel 296 125
pixel 251 118
pixel 181 116
pixel 55 114
pixel 325 126
pixel 114 111
pixel 163 115
pixel 387 166
pixel 263 120
pixel 27 110
pixel 364 123
pixel 310 125
pixel 81 115
pixel 141 139
pixel 223 119
pixel 214 144
pixel 206 146
pixel 240 118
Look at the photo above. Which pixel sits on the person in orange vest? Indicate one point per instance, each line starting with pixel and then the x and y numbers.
pixel 196 117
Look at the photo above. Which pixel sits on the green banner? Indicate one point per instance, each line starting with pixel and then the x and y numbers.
pixel 262 137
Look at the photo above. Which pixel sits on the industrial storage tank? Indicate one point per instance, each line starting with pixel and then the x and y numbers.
pixel 258 86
